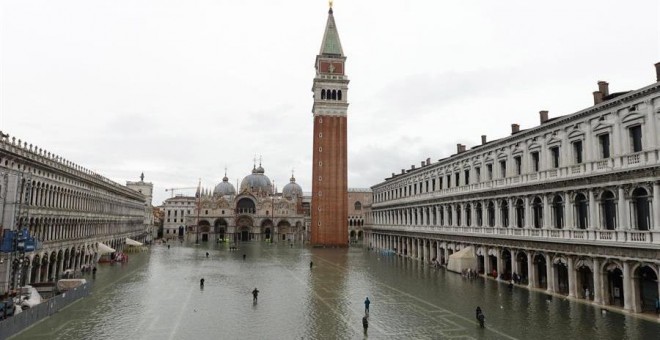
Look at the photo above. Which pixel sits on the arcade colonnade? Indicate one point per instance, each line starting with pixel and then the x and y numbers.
pixel 611 281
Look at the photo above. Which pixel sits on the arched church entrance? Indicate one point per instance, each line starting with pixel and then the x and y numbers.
pixel 244 224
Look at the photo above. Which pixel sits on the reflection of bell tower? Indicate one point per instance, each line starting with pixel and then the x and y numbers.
pixel 330 166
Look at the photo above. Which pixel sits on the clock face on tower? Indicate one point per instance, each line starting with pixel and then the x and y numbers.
pixel 331 67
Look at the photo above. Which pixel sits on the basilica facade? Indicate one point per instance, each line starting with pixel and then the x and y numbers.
pixel 254 212
pixel 570 207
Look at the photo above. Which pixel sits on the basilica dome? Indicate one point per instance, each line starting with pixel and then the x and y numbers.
pixel 257 181
pixel 292 189
pixel 224 188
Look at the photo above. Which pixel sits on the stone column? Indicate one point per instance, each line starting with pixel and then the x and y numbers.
pixel 627 287
pixel 473 215
pixel 531 271
pixel 487 269
pixel 528 223
pixel 569 210
pixel 598 286
pixel 512 215
pixel 28 275
pixel 463 215
pixel 622 214
pixel 572 292
pixel 514 263
pixel 656 207
pixel 37 279
pixel 498 214
pixel 47 271
pixel 546 212
pixel 550 274
pixel 593 212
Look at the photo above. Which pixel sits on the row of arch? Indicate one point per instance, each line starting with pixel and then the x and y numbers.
pixel 45 195
pixel 331 94
pixel 47 229
pixel 630 284
pixel 50 265
pixel 536 212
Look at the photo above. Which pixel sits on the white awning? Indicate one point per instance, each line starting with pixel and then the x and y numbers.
pixel 132 242
pixel 103 249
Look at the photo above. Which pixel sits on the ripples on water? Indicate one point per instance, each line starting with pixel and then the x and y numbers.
pixel 157 296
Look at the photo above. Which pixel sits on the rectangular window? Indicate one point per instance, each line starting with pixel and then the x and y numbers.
pixel 604 141
pixel 555 157
pixel 433 184
pixel 448 181
pixel 440 183
pixel 636 138
pixel 577 151
pixel 535 161
pixel 518 161
pixel 489 172
pixel 477 174
pixel 467 177
pixel 503 168
pixel 457 179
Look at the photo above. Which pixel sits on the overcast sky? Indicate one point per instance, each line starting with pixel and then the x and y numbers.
pixel 182 89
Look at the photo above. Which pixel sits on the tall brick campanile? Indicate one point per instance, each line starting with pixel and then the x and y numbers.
pixel 330 163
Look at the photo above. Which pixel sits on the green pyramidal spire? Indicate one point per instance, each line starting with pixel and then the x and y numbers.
pixel 331 44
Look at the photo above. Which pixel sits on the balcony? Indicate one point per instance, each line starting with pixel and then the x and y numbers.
pixel 584 236
pixel 647 157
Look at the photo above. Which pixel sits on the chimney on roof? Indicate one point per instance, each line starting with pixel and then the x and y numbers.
pixel 412 167
pixel 393 174
pixel 460 148
pixel 515 128
pixel 598 97
pixel 483 139
pixel 428 161
pixel 657 71
pixel 604 88
pixel 423 164
pixel 544 116
pixel 403 171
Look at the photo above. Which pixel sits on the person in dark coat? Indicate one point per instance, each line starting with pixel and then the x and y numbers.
pixel 255 294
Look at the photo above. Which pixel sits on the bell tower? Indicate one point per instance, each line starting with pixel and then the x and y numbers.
pixel 330 161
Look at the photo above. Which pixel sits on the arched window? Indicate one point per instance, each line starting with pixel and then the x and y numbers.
pixel 608 209
pixel 480 217
pixel 520 213
pixel 339 95
pixel 491 214
pixel 537 209
pixel 358 205
pixel 468 215
pixel 641 206
pixel 334 95
pixel 458 214
pixel 504 210
pixel 581 208
pixel 558 210
pixel 322 94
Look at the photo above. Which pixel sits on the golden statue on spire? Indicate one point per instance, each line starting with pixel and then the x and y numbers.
pixel 330 3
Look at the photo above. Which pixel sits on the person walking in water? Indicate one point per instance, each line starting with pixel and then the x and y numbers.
pixel 207 254
pixel 480 317
pixel 201 282
pixel 255 294
pixel 366 306
pixel 244 257
pixel 311 264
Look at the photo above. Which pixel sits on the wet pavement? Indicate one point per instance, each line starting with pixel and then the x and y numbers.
pixel 157 295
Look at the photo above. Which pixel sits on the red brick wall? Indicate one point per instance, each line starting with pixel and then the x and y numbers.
pixel 329 178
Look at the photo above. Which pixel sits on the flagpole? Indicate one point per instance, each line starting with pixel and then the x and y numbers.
pixel 199 206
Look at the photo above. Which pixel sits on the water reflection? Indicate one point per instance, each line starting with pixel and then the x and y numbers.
pixel 157 295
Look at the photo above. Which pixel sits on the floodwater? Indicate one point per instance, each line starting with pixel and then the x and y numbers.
pixel 157 295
